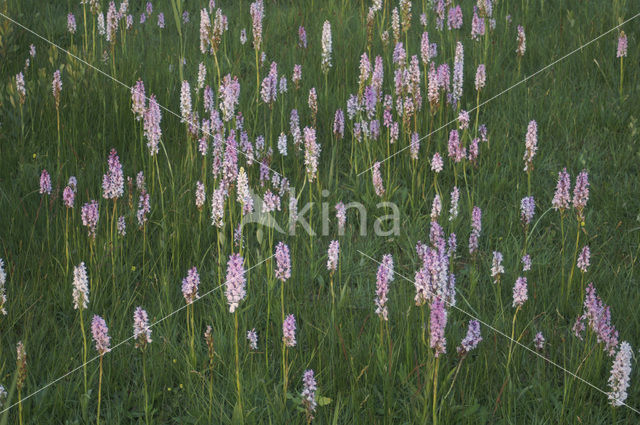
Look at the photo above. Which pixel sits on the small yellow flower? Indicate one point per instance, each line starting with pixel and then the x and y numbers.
pixel 181 386
pixel 168 388
pixel 133 268
pixel 34 156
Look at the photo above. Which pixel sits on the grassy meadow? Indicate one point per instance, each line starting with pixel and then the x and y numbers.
pixel 368 370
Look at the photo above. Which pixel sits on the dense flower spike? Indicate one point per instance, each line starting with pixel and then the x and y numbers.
pixel 583 259
pixel 538 341
pixel 620 375
pixel 200 195
pixel 229 95
pixel 332 254
pixel 185 101
pixel 283 262
pixel 45 183
pixel 311 153
pixel 561 198
pixel 20 87
pixel 121 226
pixel 3 295
pixel 309 394
pixel 472 339
pixel 80 287
pixel 326 47
pixel 476 228
pixel 257 15
pixel 377 179
pixel 302 37
pixel 152 130
pixel 113 180
pixel 436 208
pixel 235 282
pixel 289 331
pixel 481 77
pixel 496 266
pixel 138 100
pixel 190 285
pixel 144 208
pixel 598 316
pixel 71 23
pixel 338 124
pixel 90 217
pixel 217 207
pixel 383 278
pixel 581 194
pixel 531 145
pixel 520 292
pixel 56 87
pixel 436 163
pixel 526 263
pixel 282 144
pixel 437 323
pixel 141 329
pixel 527 209
pixel 252 337
pixel 458 71
pixel 205 30
pixel 622 45
pixel 455 198
pixel 100 333
pixel 522 41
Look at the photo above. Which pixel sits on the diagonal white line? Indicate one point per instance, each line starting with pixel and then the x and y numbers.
pixel 499 332
pixel 115 80
pixel 126 340
pixel 507 89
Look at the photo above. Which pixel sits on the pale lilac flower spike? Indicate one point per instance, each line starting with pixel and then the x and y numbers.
pixel 472 339
pixel 289 331
pixel 622 45
pixel 436 163
pixel 562 198
pixel 68 197
pixel 80 287
pixel 384 277
pixel 377 179
pixel 476 228
pixel 526 263
pixel 100 333
pixel 620 375
pixel 531 145
pixel 527 209
pixel 252 336
pixel 437 323
pixel 190 285
pixel 235 282
pixel 581 193
pixel 113 180
pixel 45 183
pixel 583 259
pixel 90 216
pixel 141 329
pixel 520 292
pixel 497 268
pixel 309 394
pixel 283 262
pixel 332 254
pixel 538 341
